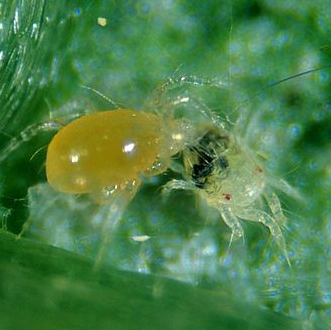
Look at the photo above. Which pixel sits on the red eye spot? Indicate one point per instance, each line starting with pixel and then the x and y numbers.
pixel 227 196
pixel 260 170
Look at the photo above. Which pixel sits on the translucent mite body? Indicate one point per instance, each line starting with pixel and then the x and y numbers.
pixel 224 173
pixel 105 153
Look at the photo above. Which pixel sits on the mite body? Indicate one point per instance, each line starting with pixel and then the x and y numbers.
pixel 105 153
pixel 223 172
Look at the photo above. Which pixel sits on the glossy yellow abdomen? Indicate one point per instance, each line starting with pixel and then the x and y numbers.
pixel 103 149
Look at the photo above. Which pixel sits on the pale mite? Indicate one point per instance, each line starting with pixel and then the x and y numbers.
pixel 224 172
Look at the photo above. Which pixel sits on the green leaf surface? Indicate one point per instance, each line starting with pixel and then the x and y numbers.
pixel 45 287
pixel 246 50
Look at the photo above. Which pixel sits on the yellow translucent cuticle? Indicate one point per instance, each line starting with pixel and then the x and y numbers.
pixel 104 149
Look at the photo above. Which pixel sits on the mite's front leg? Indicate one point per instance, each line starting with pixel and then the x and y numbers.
pixel 276 208
pixel 270 222
pixel 176 185
pixel 232 222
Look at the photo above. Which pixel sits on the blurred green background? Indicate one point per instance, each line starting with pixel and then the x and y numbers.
pixel 49 49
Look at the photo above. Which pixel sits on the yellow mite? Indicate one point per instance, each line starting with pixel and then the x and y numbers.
pixel 106 153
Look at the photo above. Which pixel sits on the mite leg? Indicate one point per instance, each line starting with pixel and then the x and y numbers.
pixel 111 215
pixel 191 104
pixel 176 184
pixel 27 135
pixel 270 222
pixel 276 209
pixel 186 99
pixel 286 188
pixel 174 82
pixel 232 222
pixel 107 195
pixel 113 201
